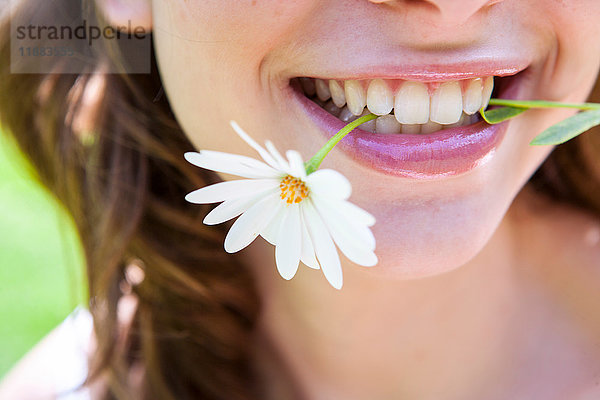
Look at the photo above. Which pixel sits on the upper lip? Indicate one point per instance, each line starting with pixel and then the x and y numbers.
pixel 430 72
pixel 397 61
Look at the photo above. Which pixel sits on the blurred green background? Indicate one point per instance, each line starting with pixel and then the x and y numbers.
pixel 41 262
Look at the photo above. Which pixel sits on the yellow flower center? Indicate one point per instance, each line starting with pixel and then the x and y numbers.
pixel 293 190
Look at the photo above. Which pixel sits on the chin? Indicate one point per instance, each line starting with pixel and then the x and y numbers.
pixel 423 239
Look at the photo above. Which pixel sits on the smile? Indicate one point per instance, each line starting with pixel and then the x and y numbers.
pixel 408 107
pixel 425 129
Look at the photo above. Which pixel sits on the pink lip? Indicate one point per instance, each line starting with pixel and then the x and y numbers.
pixel 431 72
pixel 445 153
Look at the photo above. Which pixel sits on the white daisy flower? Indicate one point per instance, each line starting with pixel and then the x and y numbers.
pixel 303 216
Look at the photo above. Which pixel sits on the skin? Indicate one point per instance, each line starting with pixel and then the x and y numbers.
pixel 482 290
pixel 458 333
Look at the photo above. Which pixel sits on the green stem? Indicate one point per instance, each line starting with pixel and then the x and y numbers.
pixel 312 164
pixel 543 104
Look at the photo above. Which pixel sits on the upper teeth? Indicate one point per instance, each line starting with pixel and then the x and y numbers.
pixel 433 104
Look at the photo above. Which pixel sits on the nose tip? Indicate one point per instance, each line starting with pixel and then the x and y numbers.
pixel 455 11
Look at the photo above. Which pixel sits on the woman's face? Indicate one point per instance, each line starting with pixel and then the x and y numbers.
pixel 438 196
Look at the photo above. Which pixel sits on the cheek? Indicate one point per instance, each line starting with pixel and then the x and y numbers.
pixel 576 58
pixel 211 57
pixel 239 32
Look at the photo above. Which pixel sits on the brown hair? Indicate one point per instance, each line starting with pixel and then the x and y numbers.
pixel 114 159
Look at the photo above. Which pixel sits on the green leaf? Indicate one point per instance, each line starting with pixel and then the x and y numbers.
pixel 498 115
pixel 568 128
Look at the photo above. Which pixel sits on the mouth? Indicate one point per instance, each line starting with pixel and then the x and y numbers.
pixel 424 129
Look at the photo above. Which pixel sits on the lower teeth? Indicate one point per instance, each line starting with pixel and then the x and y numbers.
pixel 387 124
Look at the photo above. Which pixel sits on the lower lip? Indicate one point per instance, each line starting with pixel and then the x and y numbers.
pixel 448 152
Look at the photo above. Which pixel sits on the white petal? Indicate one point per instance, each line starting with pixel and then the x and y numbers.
pixel 230 209
pixel 289 243
pixel 270 232
pixel 324 247
pixel 347 238
pixel 350 211
pixel 231 164
pixel 329 183
pixel 263 153
pixel 247 227
pixel 296 164
pixel 230 190
pixel 283 164
pixel 336 210
pixel 308 251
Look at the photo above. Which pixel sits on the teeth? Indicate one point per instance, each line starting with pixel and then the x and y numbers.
pixel 464 119
pixel 322 89
pixel 418 108
pixel 387 124
pixel 337 93
pixel 369 126
pixel 446 103
pixel 308 85
pixel 356 97
pixel 412 103
pixel 474 119
pixel 473 96
pixel 488 87
pixel 332 109
pixel 411 129
pixel 380 99
pixel 430 127
pixel 346 115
